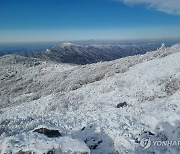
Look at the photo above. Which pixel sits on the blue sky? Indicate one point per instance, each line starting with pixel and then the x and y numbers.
pixel 59 20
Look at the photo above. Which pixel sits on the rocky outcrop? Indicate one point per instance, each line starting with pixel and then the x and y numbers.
pixel 48 132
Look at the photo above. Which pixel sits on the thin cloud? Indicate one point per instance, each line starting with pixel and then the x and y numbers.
pixel 167 6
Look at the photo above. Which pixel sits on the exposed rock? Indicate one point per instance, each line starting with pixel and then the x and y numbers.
pixel 148 132
pixel 51 151
pixel 25 152
pixel 48 132
pixel 82 128
pixel 96 145
pixel 124 104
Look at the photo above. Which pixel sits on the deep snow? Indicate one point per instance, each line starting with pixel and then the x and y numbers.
pixel 81 102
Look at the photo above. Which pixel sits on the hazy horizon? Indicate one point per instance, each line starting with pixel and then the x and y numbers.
pixel 68 20
pixel 13 46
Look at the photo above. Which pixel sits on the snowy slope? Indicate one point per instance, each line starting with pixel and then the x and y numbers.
pixel 81 101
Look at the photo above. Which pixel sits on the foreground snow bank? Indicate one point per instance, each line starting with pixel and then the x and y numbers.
pixel 35 143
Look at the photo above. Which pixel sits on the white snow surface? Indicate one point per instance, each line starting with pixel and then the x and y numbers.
pixel 81 102
pixel 30 142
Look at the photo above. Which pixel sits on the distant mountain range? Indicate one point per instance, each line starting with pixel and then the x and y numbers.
pixel 78 54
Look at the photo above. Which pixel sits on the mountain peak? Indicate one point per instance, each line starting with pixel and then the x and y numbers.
pixel 163 47
pixel 66 44
pixel 48 51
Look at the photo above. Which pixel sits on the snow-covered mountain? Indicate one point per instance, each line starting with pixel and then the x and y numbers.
pixel 105 107
pixel 77 54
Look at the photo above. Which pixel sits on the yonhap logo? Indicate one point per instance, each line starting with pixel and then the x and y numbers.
pixel 145 143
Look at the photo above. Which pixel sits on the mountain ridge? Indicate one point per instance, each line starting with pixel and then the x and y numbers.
pixel 78 54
